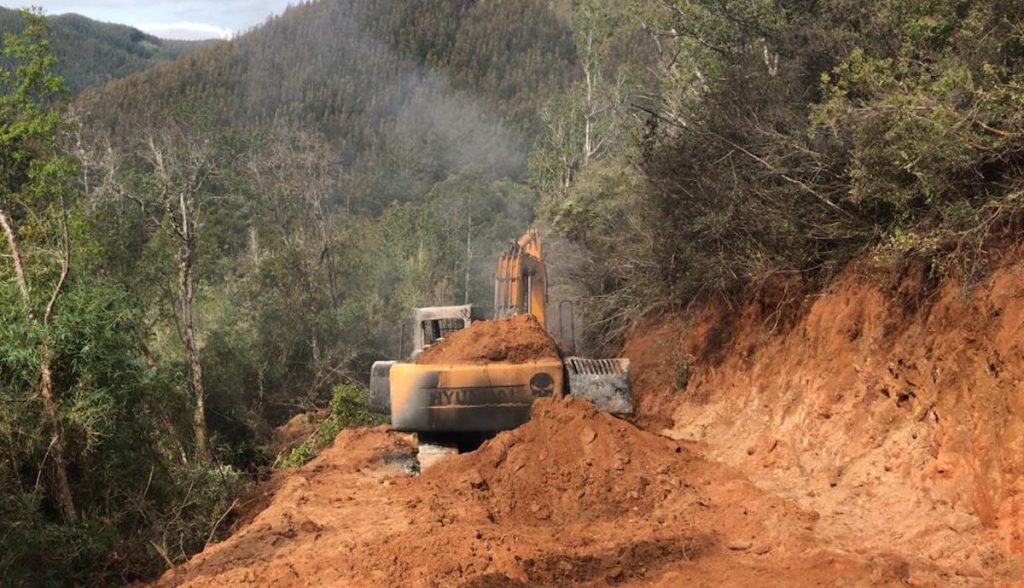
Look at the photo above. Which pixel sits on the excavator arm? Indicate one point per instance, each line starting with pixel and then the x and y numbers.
pixel 521 282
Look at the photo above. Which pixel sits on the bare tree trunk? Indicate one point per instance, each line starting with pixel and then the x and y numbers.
pixel 186 292
pixel 469 254
pixel 57 446
pixel 187 300
pixel 51 413
pixel 588 68
pixel 254 245
pixel 587 122
pixel 327 253
pixel 19 266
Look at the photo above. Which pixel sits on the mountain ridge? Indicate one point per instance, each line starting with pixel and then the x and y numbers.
pixel 443 88
pixel 91 53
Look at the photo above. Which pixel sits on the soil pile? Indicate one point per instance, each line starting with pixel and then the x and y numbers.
pixel 511 340
pixel 296 431
pixel 574 497
pixel 866 436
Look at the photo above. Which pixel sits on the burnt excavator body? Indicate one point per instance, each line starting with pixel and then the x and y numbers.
pixel 461 398
pixel 467 398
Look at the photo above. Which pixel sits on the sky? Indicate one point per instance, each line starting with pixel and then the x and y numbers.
pixel 170 19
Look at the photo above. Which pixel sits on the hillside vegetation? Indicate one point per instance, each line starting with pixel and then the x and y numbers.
pixel 231 236
pixel 779 140
pixel 91 53
pixel 199 251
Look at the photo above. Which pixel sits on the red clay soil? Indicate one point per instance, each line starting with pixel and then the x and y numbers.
pixel 896 414
pixel 511 340
pixel 865 436
pixel 574 497
pixel 658 368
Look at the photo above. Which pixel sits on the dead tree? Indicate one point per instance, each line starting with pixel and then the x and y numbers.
pixel 179 164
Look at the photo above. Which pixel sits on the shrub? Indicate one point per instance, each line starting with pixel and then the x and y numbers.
pixel 349 408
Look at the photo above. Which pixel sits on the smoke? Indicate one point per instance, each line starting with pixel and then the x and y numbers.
pixel 400 125
pixel 460 130
pixel 380 99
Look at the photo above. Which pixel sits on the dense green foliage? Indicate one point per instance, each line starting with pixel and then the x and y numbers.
pixel 348 409
pixel 91 53
pixel 313 210
pixel 79 400
pixel 251 225
pixel 783 139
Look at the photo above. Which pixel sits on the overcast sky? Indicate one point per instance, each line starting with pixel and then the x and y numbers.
pixel 171 19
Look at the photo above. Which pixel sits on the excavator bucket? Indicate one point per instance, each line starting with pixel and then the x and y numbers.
pixel 604 382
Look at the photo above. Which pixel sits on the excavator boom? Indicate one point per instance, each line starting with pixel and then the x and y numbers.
pixel 521 282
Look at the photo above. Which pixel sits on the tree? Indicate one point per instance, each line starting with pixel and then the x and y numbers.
pixel 591 118
pixel 294 176
pixel 175 176
pixel 35 190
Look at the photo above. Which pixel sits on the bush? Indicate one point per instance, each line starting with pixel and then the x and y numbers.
pixel 349 408
pixel 141 504
pixel 793 140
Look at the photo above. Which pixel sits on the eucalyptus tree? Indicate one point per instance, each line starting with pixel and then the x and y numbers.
pixel 35 198
pixel 178 171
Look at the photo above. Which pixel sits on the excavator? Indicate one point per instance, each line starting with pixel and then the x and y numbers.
pixel 446 404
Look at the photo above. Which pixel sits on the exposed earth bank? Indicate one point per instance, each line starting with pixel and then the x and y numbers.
pixel 863 436
pixel 895 414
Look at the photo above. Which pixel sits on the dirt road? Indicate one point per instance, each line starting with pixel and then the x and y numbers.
pixel 573 498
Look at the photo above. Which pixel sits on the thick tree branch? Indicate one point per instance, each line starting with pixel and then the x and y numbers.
pixel 65 268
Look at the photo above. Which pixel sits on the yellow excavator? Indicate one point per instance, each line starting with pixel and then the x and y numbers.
pixel 449 400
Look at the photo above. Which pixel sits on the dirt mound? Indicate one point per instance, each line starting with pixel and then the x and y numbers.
pixel 865 437
pixel 574 497
pixel 510 340
pixel 569 464
pixel 295 431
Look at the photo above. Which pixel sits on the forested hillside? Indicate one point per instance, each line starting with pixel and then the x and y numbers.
pixel 772 142
pixel 199 251
pixel 91 53
pixel 405 93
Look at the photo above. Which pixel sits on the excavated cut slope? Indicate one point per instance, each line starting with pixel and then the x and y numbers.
pixel 894 411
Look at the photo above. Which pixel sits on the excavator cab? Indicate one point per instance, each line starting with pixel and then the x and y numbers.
pixel 433 323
